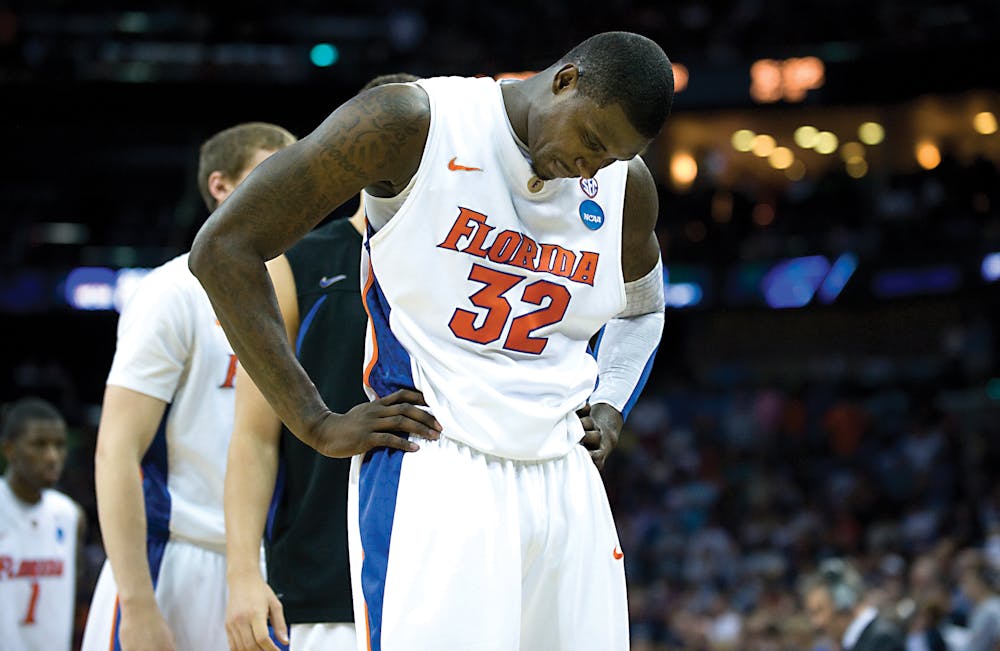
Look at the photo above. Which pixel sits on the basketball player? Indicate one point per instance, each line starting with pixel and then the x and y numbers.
pixel 161 444
pixel 41 532
pixel 507 224
pixel 318 290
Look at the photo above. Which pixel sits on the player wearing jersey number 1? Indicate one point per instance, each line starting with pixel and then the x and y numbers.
pixel 41 532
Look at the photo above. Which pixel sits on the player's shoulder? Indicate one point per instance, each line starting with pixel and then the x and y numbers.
pixel 167 282
pixel 641 199
pixel 172 273
pixel 59 502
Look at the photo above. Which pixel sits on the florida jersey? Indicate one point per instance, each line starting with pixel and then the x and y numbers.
pixel 485 286
pixel 38 546
pixel 171 347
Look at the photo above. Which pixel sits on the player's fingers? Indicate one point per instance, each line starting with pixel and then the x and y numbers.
pixel 387 440
pixel 262 637
pixel 411 396
pixel 241 638
pixel 583 411
pixel 591 438
pixel 410 419
pixel 277 616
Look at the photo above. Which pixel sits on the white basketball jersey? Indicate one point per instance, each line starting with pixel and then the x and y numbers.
pixel 482 293
pixel 37 571
pixel 171 347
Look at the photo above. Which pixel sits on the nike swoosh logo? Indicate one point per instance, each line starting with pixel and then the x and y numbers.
pixel 455 167
pixel 326 281
pixel 617 554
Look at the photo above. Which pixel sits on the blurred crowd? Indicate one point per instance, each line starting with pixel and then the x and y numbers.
pixel 727 499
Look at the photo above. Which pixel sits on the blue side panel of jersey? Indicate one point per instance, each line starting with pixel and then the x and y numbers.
pixel 392 370
pixel 378 486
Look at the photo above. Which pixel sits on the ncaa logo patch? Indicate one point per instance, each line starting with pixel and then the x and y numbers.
pixel 589 187
pixel 592 215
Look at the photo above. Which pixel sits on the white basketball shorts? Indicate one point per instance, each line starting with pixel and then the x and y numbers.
pixel 455 549
pixel 190 586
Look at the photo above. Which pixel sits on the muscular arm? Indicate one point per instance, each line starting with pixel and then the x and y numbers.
pixel 250 476
pixel 629 341
pixel 640 248
pixel 129 421
pixel 375 139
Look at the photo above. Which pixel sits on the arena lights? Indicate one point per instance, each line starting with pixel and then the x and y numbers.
pixel 324 55
pixel 790 79
pixel 805 136
pixel 100 288
pixel 681 77
pixel 683 169
pixel 851 150
pixel 991 267
pixel 993 388
pixel 927 154
pixel 681 294
pixel 895 283
pixel 743 140
pixel 840 272
pixel 90 288
pixel 781 158
pixel 826 142
pixel 857 168
pixel 763 145
pixel 871 133
pixel 797 171
pixel 793 283
pixel 985 123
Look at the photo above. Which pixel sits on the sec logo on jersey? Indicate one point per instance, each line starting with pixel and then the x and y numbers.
pixel 589 187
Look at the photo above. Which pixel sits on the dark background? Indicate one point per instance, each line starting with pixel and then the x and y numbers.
pixel 767 438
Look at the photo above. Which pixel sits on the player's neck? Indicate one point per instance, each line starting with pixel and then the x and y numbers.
pixel 357 220
pixel 22 490
pixel 516 101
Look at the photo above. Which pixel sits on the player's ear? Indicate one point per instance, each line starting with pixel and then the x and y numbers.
pixel 565 79
pixel 219 186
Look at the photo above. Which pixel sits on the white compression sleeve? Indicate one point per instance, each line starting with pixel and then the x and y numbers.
pixel 628 343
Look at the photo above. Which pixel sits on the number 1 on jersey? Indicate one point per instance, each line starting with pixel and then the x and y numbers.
pixel 491 298
pixel 29 618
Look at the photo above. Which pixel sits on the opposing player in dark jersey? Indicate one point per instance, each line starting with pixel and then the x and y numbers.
pixel 308 584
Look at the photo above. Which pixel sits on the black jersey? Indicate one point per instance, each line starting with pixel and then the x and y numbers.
pixel 307 556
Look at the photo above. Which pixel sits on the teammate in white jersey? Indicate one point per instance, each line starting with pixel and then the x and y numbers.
pixel 41 532
pixel 508 226
pixel 165 426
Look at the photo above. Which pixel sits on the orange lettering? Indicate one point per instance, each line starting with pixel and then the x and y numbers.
pixel 463 227
pixel 476 245
pixel 563 262
pixel 505 246
pixel 586 269
pixel 525 256
pixel 518 250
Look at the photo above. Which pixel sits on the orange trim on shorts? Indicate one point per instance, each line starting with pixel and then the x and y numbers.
pixel 371 325
pixel 368 629
pixel 114 626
